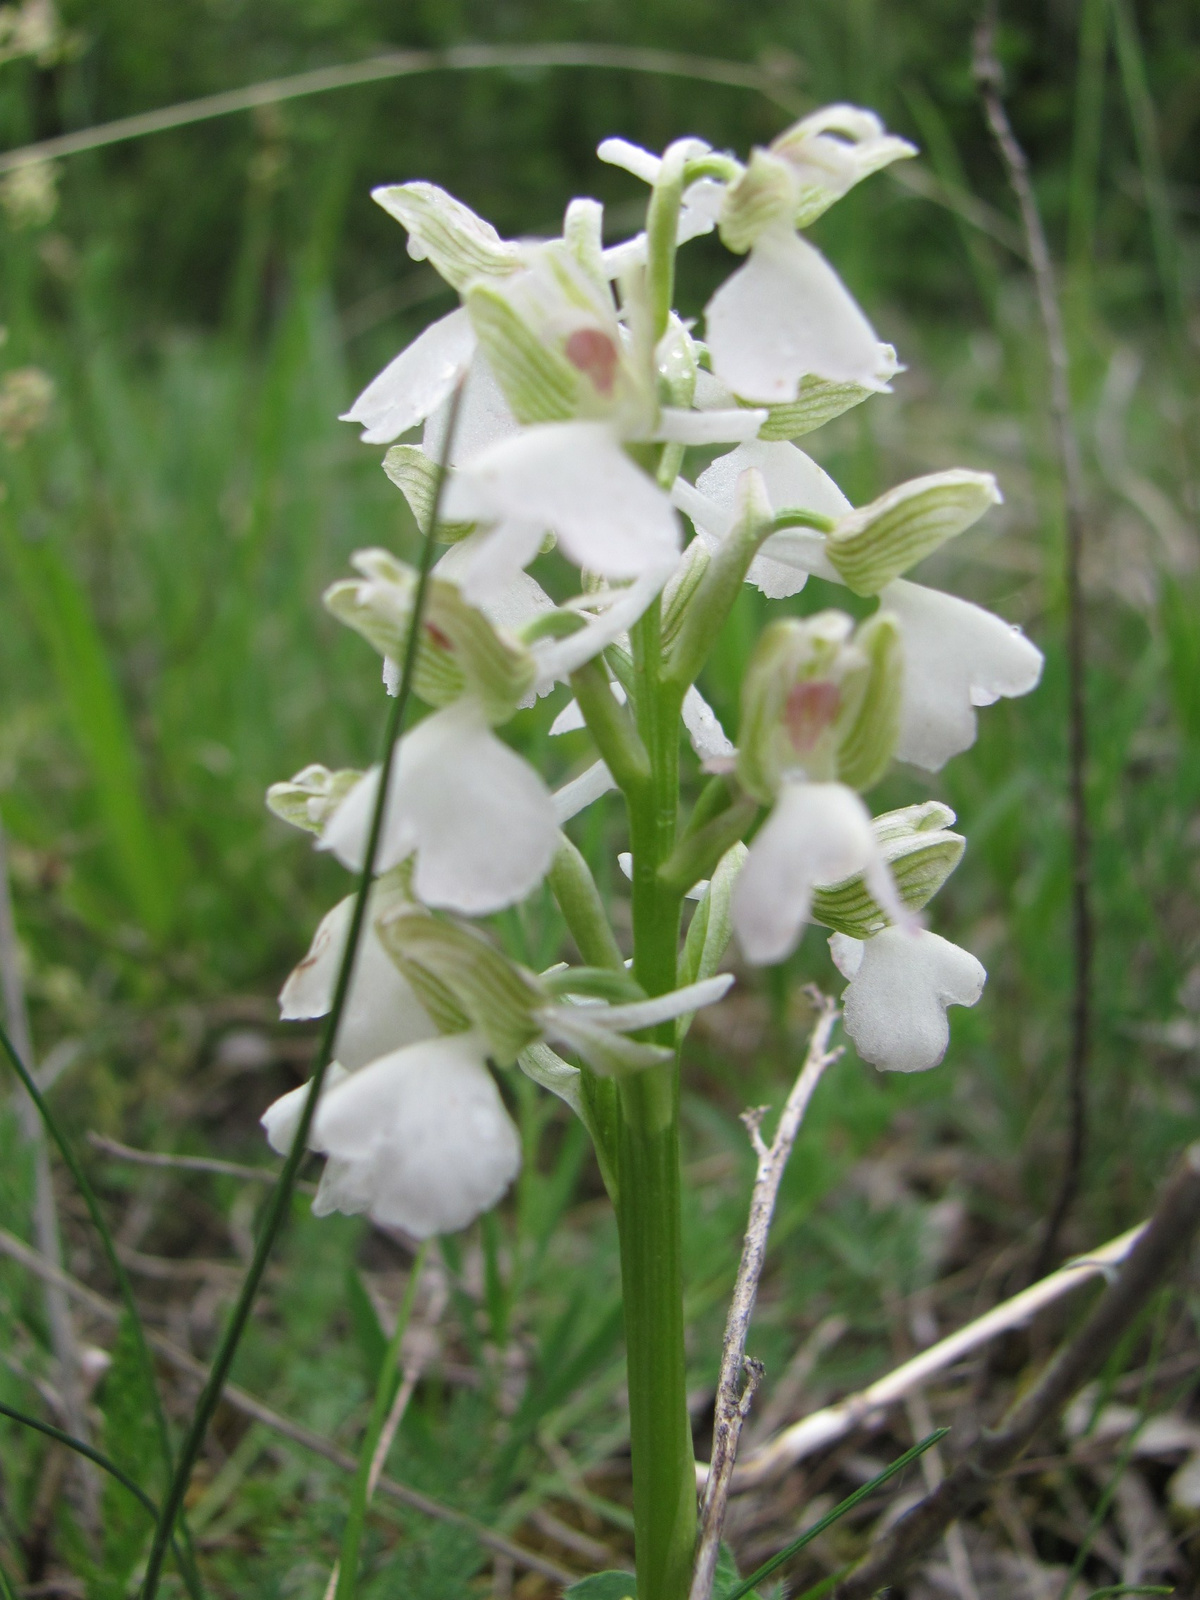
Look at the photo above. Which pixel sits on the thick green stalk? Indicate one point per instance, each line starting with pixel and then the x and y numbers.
pixel 648 1205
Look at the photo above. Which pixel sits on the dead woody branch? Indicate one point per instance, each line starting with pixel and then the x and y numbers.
pixel 1144 1271
pixel 734 1395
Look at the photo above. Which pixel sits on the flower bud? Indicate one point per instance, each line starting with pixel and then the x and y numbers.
pixel 463 980
pixel 460 651
pixel 922 853
pixel 811 686
pixel 876 543
pixel 551 336
pixel 762 197
pixel 829 152
pixel 457 243
pixel 869 727
pixel 310 798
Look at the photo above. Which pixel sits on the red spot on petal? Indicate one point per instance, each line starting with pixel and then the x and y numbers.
pixel 811 707
pixel 595 355
pixel 438 637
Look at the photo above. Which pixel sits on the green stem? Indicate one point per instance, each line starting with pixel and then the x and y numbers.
pixel 385 1393
pixel 648 1204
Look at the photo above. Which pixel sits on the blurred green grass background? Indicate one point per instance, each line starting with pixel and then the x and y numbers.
pixel 207 300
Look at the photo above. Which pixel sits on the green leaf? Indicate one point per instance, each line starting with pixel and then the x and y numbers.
pixel 604 1586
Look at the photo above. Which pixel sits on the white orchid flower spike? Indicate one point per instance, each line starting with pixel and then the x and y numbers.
pixel 478 818
pixel 900 984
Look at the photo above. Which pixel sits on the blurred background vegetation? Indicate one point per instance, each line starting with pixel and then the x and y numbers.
pixel 185 316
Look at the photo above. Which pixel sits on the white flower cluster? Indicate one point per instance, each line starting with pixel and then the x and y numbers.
pixel 579 392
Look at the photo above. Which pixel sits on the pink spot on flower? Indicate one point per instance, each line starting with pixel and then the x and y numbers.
pixel 811 707
pixel 438 637
pixel 595 355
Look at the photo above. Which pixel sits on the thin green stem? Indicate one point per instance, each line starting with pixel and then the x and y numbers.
pixel 839 1511
pixel 385 1393
pixel 281 1196
pixel 573 886
pixel 6 1589
pixel 124 1286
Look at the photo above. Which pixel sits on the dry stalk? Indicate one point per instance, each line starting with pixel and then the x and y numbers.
pixel 825 1427
pixel 735 1393
pixel 989 77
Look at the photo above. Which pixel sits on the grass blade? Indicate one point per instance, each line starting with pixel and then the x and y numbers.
pixel 385 1391
pixel 125 1288
pixel 840 1510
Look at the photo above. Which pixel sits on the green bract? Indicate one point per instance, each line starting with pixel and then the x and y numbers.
pixel 820 400
pixel 876 543
pixel 762 197
pixel 460 245
pixel 921 852
pixel 463 980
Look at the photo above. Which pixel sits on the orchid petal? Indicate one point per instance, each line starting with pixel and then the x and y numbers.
pixel 477 815
pixel 817 834
pixel 793 481
pixel 558 658
pixel 901 982
pixel 577 795
pixel 784 315
pixel 675 425
pixel 956 656
pixel 381 1011
pixel 417 382
pixel 425 1137
pixel 708 738
pixel 572 479
pixel 484 415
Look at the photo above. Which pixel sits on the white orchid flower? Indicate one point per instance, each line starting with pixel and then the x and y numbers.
pixel 793 481
pixel 956 656
pixel 817 834
pixel 418 381
pixel 477 816
pixel 572 479
pixel 419 1139
pixel 381 1011
pixel 900 983
pixel 786 315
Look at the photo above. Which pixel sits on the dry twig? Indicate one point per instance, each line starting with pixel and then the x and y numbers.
pixel 1152 1258
pixel 989 76
pixel 822 1428
pixel 249 1406
pixel 734 1396
pixel 157 1158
